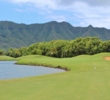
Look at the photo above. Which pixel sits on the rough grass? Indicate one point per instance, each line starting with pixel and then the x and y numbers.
pixel 5 58
pixel 88 79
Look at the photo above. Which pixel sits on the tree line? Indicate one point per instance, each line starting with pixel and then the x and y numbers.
pixel 63 48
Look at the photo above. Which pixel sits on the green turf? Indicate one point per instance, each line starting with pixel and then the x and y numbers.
pixel 5 58
pixel 88 79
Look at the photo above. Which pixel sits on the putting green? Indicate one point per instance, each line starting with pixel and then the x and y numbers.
pixel 88 79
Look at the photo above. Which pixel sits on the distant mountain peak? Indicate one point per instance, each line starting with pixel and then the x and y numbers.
pixel 90 26
pixel 53 22
pixel 63 22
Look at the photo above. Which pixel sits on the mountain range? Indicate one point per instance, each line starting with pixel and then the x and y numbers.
pixel 14 35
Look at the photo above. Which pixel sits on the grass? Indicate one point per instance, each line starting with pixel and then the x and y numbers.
pixel 6 58
pixel 88 79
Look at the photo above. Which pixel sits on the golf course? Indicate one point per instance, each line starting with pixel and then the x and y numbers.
pixel 87 77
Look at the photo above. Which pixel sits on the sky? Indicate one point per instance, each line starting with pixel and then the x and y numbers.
pixel 76 12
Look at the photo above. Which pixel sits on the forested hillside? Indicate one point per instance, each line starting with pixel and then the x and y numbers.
pixel 13 35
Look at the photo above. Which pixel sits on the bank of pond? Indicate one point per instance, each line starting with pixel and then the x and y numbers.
pixel 10 70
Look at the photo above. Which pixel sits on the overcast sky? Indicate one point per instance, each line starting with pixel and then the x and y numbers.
pixel 76 12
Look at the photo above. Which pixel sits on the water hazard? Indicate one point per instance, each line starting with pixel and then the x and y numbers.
pixel 9 70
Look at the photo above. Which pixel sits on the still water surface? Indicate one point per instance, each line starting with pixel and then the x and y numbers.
pixel 9 70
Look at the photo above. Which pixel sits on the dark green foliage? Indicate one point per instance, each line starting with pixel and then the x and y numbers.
pixel 14 35
pixel 1 52
pixel 14 53
pixel 64 48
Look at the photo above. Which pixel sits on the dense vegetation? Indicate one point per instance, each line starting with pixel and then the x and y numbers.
pixel 1 52
pixel 18 35
pixel 63 48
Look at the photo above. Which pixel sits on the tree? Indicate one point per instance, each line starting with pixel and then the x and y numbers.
pixel 1 52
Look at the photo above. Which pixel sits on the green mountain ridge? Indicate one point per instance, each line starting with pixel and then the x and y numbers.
pixel 13 35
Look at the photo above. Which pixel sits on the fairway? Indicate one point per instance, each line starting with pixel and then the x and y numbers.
pixel 88 79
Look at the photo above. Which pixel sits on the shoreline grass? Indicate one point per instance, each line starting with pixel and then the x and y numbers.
pixel 6 58
pixel 35 63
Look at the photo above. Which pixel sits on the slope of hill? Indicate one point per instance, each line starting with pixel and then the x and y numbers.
pixel 18 35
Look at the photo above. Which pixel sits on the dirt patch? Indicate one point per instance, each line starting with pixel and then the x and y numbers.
pixel 107 58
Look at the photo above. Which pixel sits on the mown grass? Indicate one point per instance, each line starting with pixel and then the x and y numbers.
pixel 88 79
pixel 6 58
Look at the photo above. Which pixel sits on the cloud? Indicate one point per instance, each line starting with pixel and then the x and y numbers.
pixel 89 2
pixel 61 4
pixel 85 12
pixel 20 10
pixel 38 3
pixel 97 2
pixel 97 16
pixel 51 3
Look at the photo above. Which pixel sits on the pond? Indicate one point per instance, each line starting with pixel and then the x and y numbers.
pixel 9 70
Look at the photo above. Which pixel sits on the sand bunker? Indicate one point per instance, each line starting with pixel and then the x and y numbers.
pixel 107 58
